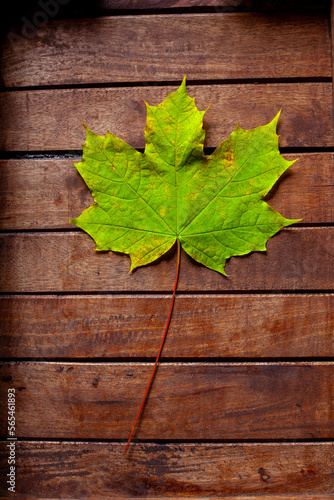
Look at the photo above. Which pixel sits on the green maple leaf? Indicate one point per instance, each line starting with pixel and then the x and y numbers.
pixel 213 205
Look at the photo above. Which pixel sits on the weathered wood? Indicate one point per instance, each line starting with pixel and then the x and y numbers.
pixel 45 194
pixel 187 400
pixel 332 38
pixel 51 119
pixel 296 259
pixel 102 470
pixel 40 194
pixel 174 470
pixel 320 496
pixel 219 5
pixel 106 326
pixel 163 48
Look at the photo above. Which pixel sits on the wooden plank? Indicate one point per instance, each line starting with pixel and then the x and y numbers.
pixel 332 38
pixel 219 5
pixel 46 193
pixel 303 186
pixel 258 497
pixel 204 326
pixel 40 194
pixel 51 119
pixel 102 470
pixel 296 259
pixel 160 48
pixel 55 470
pixel 188 401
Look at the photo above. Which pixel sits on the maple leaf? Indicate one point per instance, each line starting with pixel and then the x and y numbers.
pixel 212 205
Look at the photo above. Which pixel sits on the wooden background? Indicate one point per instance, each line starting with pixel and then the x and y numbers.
pixel 243 400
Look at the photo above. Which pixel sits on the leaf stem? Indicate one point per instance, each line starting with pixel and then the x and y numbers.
pixel 160 349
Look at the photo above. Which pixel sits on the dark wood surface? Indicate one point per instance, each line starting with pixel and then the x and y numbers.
pixel 51 119
pixel 188 401
pixel 145 48
pixel 218 5
pixel 203 326
pixel 100 470
pixel 296 259
pixel 242 404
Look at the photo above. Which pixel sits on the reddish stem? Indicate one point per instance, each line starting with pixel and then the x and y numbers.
pixel 160 349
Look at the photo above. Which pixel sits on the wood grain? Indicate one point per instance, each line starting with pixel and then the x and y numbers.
pixel 102 470
pixel 163 48
pixel 219 5
pixel 111 60
pixel 296 259
pixel 204 326
pixel 51 119
pixel 188 401
pixel 46 193
pixel 332 38
pixel 320 496
pixel 61 470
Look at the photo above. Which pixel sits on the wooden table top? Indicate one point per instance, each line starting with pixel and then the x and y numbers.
pixel 242 404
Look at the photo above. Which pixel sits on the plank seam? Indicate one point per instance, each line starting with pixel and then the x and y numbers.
pixel 173 360
pixel 148 293
pixel 204 364
pixel 76 154
pixel 190 442
pixel 166 83
pixel 65 230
